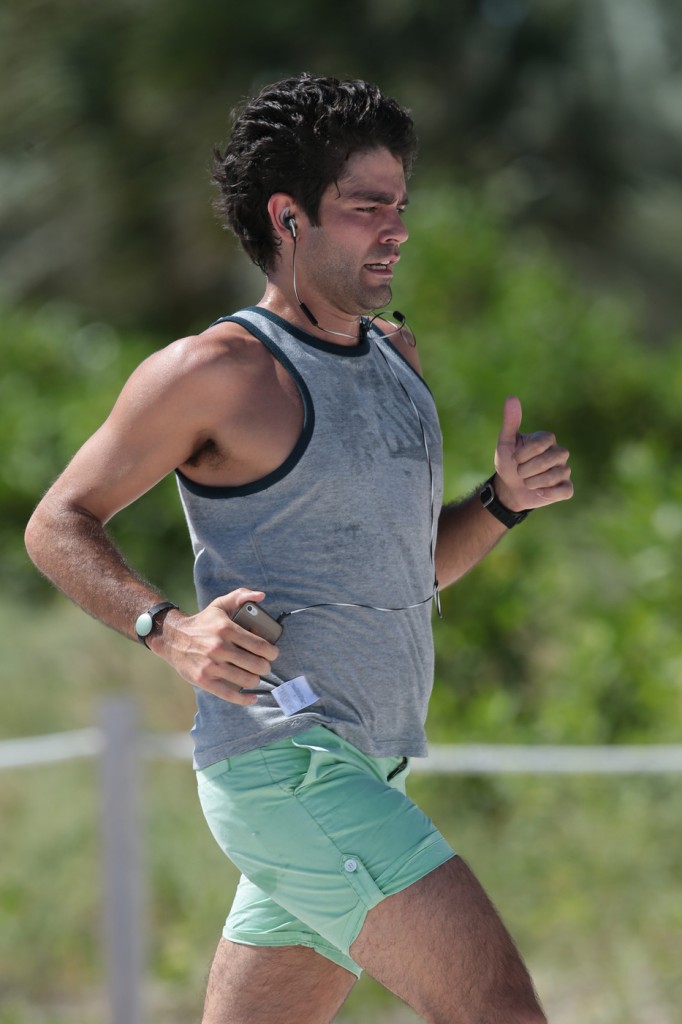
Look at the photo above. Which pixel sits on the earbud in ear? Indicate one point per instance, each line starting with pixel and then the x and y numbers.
pixel 287 218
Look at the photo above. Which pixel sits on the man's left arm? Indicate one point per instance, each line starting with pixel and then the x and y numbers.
pixel 531 471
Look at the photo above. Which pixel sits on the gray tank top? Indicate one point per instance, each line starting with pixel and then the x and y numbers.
pixel 345 521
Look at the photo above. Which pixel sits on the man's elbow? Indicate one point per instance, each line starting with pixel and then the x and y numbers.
pixel 42 529
pixel 35 535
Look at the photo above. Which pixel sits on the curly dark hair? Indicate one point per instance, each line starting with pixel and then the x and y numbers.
pixel 295 136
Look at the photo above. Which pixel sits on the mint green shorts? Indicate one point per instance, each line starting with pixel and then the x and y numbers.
pixel 321 835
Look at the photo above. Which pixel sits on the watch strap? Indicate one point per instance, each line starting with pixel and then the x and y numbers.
pixel 503 514
pixel 144 624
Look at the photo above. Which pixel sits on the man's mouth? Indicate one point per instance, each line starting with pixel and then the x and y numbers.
pixel 383 267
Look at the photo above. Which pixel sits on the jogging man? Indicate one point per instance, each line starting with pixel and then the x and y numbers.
pixel 308 458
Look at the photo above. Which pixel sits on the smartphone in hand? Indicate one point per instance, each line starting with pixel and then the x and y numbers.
pixel 254 618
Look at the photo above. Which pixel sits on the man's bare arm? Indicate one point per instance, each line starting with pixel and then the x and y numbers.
pixel 153 428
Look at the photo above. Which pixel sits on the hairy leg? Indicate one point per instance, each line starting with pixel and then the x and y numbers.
pixel 441 946
pixel 273 985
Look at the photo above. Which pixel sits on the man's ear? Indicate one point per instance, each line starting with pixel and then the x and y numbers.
pixel 282 211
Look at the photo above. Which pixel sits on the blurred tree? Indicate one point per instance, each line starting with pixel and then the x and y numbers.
pixel 60 377
pixel 565 111
pixel 569 631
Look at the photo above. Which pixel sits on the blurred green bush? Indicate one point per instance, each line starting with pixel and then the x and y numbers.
pixel 569 632
pixel 60 378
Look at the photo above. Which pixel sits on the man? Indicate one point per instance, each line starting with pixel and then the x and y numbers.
pixel 307 452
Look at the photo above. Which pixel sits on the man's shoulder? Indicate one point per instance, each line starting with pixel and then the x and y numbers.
pixel 223 345
pixel 197 374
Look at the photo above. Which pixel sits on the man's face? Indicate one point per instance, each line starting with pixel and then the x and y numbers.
pixel 348 260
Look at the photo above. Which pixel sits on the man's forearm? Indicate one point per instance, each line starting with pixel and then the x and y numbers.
pixel 72 549
pixel 466 533
pixel 208 650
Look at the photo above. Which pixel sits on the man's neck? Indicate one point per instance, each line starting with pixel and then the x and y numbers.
pixel 322 323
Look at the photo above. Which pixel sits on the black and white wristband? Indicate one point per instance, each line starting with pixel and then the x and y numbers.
pixel 496 508
pixel 145 622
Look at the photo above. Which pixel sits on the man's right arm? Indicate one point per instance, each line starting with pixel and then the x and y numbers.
pixel 153 428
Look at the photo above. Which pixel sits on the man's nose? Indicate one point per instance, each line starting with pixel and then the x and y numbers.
pixel 394 229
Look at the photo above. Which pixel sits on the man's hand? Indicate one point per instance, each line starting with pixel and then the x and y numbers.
pixel 211 651
pixel 531 469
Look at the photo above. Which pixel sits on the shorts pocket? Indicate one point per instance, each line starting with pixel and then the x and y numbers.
pixel 402 767
pixel 329 756
pixel 286 764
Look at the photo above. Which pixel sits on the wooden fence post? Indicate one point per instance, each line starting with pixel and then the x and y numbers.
pixel 121 841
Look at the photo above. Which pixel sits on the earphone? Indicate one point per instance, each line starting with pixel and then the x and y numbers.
pixel 287 219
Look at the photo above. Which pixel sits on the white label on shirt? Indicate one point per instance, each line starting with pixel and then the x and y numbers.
pixel 294 695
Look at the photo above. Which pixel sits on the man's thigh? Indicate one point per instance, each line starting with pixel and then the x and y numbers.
pixel 287 985
pixel 441 946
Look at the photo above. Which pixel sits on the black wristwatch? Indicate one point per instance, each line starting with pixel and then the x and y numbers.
pixel 497 509
pixel 145 622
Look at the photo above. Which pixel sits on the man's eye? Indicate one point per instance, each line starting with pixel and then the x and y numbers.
pixel 367 209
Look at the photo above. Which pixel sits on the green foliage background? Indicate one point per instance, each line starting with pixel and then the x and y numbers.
pixel 543 261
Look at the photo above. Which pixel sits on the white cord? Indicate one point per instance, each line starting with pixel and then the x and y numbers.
pixel 435 597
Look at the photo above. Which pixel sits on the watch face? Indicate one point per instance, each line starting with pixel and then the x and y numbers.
pixel 144 624
pixel 487 494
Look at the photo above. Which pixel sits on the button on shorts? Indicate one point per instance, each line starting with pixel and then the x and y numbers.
pixel 321 834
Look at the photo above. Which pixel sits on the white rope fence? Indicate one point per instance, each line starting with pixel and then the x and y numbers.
pixel 62 746
pixel 451 759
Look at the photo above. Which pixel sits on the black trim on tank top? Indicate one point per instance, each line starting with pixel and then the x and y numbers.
pixel 346 351
pixel 297 452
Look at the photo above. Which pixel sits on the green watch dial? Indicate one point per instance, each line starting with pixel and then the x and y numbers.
pixel 144 624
